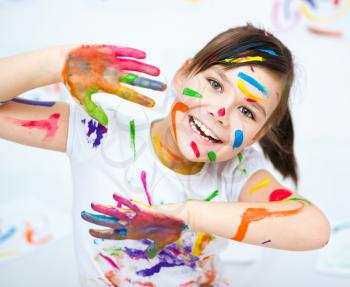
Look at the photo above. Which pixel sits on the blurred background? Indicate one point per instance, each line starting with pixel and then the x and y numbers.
pixel 317 33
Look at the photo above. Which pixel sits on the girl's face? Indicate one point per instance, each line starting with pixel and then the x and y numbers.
pixel 218 113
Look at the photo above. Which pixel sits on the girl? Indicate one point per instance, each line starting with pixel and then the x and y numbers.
pixel 168 195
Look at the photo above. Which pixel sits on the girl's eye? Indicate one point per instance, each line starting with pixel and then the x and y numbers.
pixel 247 113
pixel 215 85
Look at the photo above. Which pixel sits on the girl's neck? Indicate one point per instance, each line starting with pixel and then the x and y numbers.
pixel 167 149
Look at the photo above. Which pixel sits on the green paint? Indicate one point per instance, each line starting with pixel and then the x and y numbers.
pixel 132 137
pixel 191 93
pixel 129 78
pixel 151 250
pixel 240 157
pixel 212 156
pixel 212 195
pixel 244 171
pixel 301 199
pixel 92 109
pixel 116 251
pixel 161 202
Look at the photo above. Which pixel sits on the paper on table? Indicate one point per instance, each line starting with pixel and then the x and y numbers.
pixel 335 257
pixel 27 224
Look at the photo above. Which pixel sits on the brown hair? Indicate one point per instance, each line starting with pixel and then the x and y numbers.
pixel 243 41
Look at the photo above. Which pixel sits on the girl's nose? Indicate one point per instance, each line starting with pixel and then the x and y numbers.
pixel 219 117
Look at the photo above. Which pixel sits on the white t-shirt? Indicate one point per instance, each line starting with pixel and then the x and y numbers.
pixel 103 162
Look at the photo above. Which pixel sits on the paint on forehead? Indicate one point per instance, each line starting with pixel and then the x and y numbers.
pixel 252 68
pixel 249 95
pixel 269 51
pixel 33 103
pixel 253 82
pixel 232 53
pixel 179 106
pixel 191 93
pixel 195 149
pixel 211 156
pixel 221 112
pixel 239 137
pixel 245 59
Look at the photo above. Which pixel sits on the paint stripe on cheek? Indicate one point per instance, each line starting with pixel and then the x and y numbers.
pixel 239 136
pixel 195 149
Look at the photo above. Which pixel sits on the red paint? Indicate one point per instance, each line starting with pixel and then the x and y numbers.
pixel 266 34
pixel 251 67
pixel 221 112
pixel 335 2
pixel 50 125
pixel 195 149
pixel 251 100
pixel 279 194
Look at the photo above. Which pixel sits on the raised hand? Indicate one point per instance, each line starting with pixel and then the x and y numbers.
pixel 89 69
pixel 135 222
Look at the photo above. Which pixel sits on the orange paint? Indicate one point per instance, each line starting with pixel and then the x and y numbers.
pixel 179 106
pixel 256 214
pixel 29 232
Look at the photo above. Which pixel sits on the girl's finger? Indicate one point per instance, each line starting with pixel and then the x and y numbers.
pixel 102 220
pixel 142 82
pixel 126 202
pixel 132 65
pixel 132 96
pixel 111 211
pixel 128 52
pixel 118 234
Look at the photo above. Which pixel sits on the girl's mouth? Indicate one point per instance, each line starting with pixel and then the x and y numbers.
pixel 202 131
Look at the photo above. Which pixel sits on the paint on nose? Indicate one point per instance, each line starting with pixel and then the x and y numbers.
pixel 239 136
pixel 221 112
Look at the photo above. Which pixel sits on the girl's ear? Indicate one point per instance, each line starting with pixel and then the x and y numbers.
pixel 181 75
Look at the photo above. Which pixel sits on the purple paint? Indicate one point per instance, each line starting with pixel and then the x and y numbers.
pixel 267 241
pixel 98 129
pixel 33 103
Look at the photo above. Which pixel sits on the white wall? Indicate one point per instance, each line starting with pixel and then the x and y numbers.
pixel 171 31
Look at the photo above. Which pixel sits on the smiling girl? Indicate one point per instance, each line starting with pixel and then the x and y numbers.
pixel 168 195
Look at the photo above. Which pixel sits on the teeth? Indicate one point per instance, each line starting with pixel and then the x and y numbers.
pixel 202 127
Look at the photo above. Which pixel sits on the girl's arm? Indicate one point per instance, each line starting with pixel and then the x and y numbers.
pixel 267 214
pixel 33 123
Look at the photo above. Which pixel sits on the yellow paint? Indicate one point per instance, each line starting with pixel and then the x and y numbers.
pixel 245 59
pixel 244 89
pixel 201 242
pixel 306 12
pixel 9 252
pixel 259 185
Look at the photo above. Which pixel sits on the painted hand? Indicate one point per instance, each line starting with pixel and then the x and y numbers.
pixel 135 222
pixel 89 69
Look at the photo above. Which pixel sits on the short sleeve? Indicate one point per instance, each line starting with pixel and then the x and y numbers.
pixel 85 135
pixel 242 168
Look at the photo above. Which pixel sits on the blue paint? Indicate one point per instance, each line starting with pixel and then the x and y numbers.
pixel 244 47
pixel 8 234
pixel 69 75
pixel 120 232
pixel 33 103
pixel 98 217
pixel 253 82
pixel 268 51
pixel 239 136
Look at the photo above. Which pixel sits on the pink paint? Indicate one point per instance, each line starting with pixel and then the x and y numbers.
pixel 221 112
pixel 195 149
pixel 50 125
pixel 144 183
pixel 266 34
pixel 252 69
pixel 279 194
pixel 110 261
